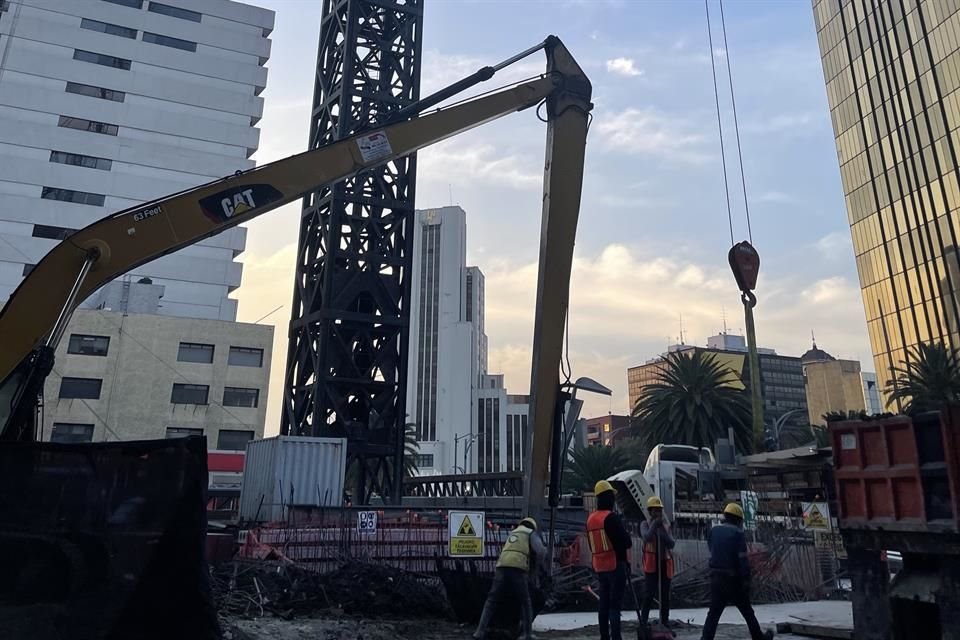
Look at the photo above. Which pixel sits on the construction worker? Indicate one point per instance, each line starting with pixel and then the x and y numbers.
pixel 730 574
pixel 608 540
pixel 521 554
pixel 657 561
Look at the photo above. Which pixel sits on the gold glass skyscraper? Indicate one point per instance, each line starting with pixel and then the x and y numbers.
pixel 892 71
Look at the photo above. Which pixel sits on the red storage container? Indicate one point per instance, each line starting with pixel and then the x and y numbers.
pixel 898 474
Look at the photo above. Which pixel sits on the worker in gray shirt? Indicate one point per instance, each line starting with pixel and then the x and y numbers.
pixel 523 554
pixel 657 561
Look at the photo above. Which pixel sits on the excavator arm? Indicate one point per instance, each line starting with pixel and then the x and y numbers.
pixel 36 315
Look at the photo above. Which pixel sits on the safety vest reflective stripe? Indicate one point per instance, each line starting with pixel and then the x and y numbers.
pixel 603 555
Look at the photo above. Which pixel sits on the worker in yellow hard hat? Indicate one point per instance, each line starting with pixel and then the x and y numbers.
pixel 522 553
pixel 730 574
pixel 657 561
pixel 609 541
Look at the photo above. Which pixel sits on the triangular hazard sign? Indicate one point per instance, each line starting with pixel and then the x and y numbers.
pixel 466 529
pixel 815 517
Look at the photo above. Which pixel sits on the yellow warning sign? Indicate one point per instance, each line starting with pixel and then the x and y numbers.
pixel 816 516
pixel 466 529
pixel 466 533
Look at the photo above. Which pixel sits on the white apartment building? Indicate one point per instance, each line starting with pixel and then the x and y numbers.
pixel 105 104
pixel 125 373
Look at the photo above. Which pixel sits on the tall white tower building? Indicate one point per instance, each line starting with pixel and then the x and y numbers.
pixel 107 103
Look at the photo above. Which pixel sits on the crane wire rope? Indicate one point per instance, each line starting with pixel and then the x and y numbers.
pixel 716 97
pixel 736 123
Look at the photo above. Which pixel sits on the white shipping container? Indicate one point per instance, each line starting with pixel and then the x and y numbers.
pixel 291 470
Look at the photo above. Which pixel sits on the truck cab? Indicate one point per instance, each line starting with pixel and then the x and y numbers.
pixel 673 472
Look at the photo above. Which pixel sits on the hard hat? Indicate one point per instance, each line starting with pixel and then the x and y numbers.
pixel 653 502
pixel 602 486
pixel 733 509
pixel 530 522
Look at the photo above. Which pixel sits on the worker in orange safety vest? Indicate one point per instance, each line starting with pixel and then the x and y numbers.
pixel 657 561
pixel 609 541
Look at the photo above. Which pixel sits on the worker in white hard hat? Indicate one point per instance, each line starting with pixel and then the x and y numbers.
pixel 730 574
pixel 657 561
pixel 609 541
pixel 522 554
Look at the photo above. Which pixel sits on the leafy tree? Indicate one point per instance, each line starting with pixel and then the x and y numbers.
pixel 929 379
pixel 586 465
pixel 694 404
pixel 634 451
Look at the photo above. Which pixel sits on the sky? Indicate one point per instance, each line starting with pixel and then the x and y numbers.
pixel 653 233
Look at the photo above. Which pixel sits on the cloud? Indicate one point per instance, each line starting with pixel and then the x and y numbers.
pixel 775 197
pixel 623 67
pixel 646 131
pixel 482 162
pixel 625 302
pixel 835 243
pixel 719 53
pixel 785 123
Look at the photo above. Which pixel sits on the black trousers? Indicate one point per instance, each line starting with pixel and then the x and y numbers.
pixel 651 593
pixel 612 585
pixel 726 590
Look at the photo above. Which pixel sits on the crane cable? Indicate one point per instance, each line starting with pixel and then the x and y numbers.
pixel 736 125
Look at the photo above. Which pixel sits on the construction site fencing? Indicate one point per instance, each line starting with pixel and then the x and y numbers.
pixel 412 542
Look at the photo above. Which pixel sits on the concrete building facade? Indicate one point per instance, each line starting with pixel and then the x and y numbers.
pixel 832 384
pixel 134 376
pixel 605 430
pixel 893 88
pixel 105 104
pixel 502 429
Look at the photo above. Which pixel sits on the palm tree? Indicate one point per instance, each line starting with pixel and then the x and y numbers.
pixel 929 379
pixel 693 403
pixel 384 471
pixel 586 465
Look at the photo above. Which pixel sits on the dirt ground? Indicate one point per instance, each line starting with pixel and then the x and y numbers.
pixel 344 628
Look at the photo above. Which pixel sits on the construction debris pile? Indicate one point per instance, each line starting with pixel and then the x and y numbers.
pixel 253 589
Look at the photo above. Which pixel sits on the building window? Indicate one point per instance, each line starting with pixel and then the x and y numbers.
pixel 80 388
pixel 189 394
pixel 241 397
pixel 88 345
pixel 167 41
pixel 69 195
pixel 174 12
pixel 27 268
pixel 183 432
pixel 51 233
pixel 245 357
pixel 192 352
pixel 71 432
pixel 134 4
pixel 233 440
pixel 105 27
pixel 4 6
pixel 79 160
pixel 95 92
pixel 82 124
pixel 101 59
pixel 424 461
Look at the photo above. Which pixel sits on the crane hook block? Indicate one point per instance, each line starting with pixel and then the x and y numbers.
pixel 745 264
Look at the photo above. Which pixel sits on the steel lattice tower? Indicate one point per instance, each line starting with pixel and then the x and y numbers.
pixel 349 327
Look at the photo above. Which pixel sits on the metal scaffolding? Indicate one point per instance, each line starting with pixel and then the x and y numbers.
pixel 349 328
